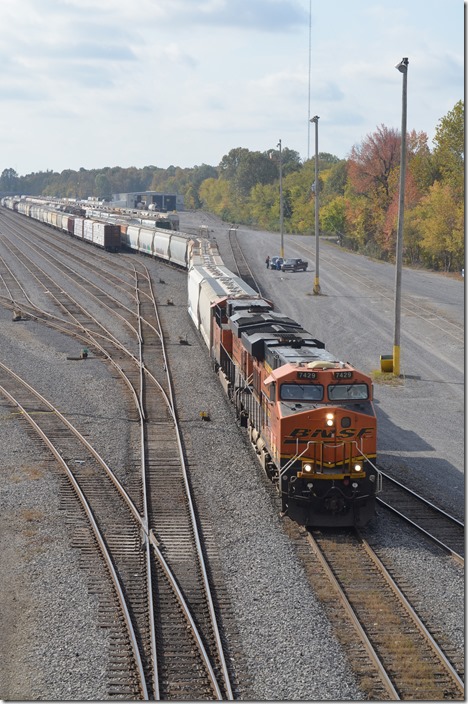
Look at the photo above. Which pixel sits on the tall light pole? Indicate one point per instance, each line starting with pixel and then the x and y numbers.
pixel 403 68
pixel 281 199
pixel 308 101
pixel 317 278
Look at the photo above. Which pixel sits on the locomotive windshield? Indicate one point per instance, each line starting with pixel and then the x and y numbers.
pixel 301 392
pixel 348 392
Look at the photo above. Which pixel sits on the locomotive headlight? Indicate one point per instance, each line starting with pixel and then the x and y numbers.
pixel 330 419
pixel 307 467
pixel 357 467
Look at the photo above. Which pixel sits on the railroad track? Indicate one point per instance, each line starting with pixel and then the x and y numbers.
pixel 115 525
pixel 180 646
pixel 102 516
pixel 243 268
pixel 174 522
pixel 146 365
pixel 406 657
pixel 119 275
pixel 436 524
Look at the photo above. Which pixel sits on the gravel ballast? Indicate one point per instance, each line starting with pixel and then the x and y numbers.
pixel 56 650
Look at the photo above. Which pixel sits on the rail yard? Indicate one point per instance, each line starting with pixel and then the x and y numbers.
pixel 143 542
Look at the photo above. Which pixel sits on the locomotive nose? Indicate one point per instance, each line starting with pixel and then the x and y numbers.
pixel 335 503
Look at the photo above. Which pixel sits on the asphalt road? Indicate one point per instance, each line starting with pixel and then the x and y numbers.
pixel 421 420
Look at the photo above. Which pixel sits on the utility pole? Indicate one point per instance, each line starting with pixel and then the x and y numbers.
pixel 403 68
pixel 281 199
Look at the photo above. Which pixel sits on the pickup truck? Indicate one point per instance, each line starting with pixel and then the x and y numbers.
pixel 294 265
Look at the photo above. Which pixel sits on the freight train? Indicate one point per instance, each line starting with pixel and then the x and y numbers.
pixel 309 416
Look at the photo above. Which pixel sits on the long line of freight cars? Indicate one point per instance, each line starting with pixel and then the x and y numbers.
pixel 310 417
pixel 111 236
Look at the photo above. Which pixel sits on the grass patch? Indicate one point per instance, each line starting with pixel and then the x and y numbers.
pixel 31 515
pixel 386 378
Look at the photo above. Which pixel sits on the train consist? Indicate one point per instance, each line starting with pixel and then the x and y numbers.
pixel 310 417
pixel 112 233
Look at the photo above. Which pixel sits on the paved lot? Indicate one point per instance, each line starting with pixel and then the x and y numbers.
pixel 421 420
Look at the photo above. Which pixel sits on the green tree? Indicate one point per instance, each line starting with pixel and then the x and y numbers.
pixel 245 169
pixel 103 189
pixel 449 152
pixel 337 176
pixel 9 181
pixel 420 161
pixel 215 195
pixel 263 203
pixel 333 217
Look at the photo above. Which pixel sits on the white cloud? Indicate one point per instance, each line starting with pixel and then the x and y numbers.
pixel 108 82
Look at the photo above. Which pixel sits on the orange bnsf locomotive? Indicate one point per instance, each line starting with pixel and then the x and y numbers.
pixel 310 417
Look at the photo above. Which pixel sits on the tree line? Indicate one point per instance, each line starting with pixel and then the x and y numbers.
pixel 358 196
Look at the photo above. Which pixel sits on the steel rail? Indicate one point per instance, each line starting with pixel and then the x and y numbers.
pixel 193 518
pixel 422 499
pixel 81 286
pixel 107 336
pixel 170 404
pixel 411 612
pixel 94 256
pixel 241 261
pixel 136 515
pixel 388 684
pixel 154 652
pixel 432 506
pixel 97 533
pixel 459 558
pixel 17 281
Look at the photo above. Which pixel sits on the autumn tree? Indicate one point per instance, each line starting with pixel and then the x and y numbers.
pixel 440 218
pixel 411 236
pixel 371 164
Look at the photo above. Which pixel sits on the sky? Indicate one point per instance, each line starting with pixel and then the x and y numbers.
pixel 97 83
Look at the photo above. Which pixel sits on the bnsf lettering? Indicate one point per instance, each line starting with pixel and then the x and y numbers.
pixel 307 434
pixel 320 433
pixel 300 433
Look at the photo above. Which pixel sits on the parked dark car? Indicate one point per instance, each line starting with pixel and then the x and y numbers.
pixel 276 263
pixel 294 265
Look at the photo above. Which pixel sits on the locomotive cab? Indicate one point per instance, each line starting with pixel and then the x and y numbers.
pixel 321 433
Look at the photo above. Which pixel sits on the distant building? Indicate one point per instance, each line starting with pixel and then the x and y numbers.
pixel 148 200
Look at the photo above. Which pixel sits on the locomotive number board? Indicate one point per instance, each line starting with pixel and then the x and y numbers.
pixel 307 375
pixel 343 375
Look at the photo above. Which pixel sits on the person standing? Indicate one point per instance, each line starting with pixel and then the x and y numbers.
pixel 267 261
